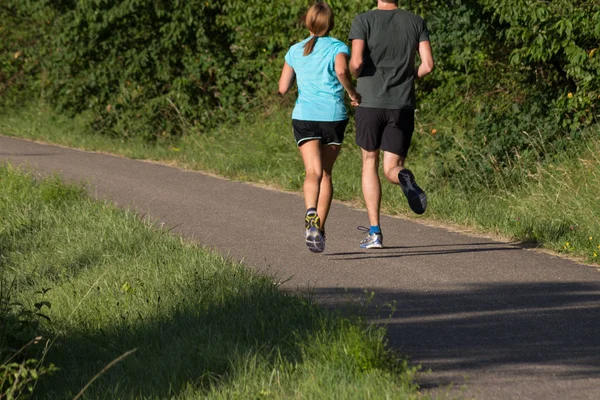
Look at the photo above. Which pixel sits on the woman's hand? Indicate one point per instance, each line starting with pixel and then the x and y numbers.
pixel 355 98
pixel 343 74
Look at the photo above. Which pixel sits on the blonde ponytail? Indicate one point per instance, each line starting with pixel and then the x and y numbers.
pixel 310 45
pixel 319 20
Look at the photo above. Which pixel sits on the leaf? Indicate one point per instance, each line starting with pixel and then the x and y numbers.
pixel 47 318
pixel 126 287
pixel 41 304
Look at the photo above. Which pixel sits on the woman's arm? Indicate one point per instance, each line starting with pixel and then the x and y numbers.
pixel 286 80
pixel 343 74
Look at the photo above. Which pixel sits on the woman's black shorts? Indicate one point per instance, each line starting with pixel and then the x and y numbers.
pixel 326 132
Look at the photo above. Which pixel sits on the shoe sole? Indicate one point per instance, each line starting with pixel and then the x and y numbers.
pixel 417 199
pixel 314 240
pixel 372 246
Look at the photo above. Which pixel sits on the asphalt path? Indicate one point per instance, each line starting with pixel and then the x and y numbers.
pixel 489 318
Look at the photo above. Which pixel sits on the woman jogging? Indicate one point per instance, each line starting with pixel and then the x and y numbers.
pixel 320 66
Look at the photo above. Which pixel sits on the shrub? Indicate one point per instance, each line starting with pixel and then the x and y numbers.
pixel 19 369
pixel 506 70
pixel 560 40
pixel 510 100
pixel 24 33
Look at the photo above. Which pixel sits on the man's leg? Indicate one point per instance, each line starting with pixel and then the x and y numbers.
pixel 370 123
pixel 395 144
pixel 329 154
pixel 371 186
pixel 393 168
pixel 392 165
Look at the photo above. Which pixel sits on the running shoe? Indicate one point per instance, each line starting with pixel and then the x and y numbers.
pixel 417 199
pixel 315 239
pixel 372 241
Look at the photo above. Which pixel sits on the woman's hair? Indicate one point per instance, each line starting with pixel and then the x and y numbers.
pixel 319 20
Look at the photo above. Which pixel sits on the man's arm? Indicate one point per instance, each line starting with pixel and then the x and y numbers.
pixel 357 58
pixel 286 80
pixel 426 59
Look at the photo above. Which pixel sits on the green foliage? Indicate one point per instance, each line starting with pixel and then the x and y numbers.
pixel 142 68
pixel 465 58
pixel 507 71
pixel 563 35
pixel 18 380
pixel 19 324
pixel 504 99
pixel 25 27
pixel 159 68
pixel 258 33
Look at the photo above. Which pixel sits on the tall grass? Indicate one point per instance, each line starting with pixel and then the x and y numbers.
pixel 560 204
pixel 551 203
pixel 187 323
pixel 549 208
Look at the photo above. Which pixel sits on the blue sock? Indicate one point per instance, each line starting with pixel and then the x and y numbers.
pixel 374 229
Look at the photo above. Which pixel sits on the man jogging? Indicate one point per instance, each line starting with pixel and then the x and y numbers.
pixel 384 44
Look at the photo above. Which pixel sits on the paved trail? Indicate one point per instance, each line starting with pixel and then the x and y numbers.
pixel 497 321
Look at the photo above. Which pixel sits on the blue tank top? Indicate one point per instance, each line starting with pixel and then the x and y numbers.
pixel 320 93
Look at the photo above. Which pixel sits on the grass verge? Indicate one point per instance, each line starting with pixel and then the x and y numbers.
pixel 553 208
pixel 198 325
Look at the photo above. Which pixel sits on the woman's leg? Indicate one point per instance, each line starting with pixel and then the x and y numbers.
pixel 329 154
pixel 311 155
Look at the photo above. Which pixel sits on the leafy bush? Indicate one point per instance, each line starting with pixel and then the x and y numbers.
pixel 159 68
pixel 507 97
pixel 560 36
pixel 142 68
pixel 19 370
pixel 507 71
pixel 24 32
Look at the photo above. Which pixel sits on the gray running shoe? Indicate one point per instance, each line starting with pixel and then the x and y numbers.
pixel 417 199
pixel 315 239
pixel 372 241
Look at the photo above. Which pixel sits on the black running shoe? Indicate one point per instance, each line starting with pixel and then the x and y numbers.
pixel 315 238
pixel 417 199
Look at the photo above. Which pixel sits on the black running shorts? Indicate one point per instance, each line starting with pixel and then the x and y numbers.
pixel 326 132
pixel 386 129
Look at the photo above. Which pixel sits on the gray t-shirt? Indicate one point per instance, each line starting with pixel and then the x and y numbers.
pixel 392 39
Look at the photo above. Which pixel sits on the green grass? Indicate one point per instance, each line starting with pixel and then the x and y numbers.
pixel 551 208
pixel 200 325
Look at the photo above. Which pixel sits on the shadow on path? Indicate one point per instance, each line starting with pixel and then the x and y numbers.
pixel 388 252
pixel 526 328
